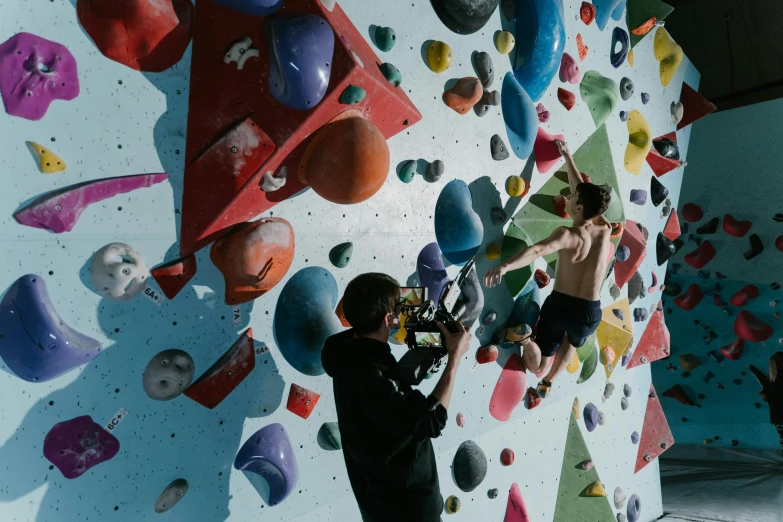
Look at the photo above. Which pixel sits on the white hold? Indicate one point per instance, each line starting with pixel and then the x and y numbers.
pixel 118 272
pixel 773 303
pixel 660 23
pixel 329 4
pixel 677 111
pixel 272 183
pixel 356 57
pixel 240 52
pixel 619 498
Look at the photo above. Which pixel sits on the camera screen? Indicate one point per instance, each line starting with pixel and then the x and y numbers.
pixel 428 339
pixel 413 296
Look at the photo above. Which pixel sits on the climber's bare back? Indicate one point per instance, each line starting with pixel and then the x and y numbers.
pixel 581 263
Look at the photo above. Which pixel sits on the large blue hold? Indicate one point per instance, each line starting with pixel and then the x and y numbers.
pixel 605 9
pixel 252 7
pixel 617 14
pixel 432 272
pixel 540 41
pixel 35 342
pixel 458 228
pixel 520 117
pixel 268 452
pixel 527 306
pixel 301 47
pixel 304 318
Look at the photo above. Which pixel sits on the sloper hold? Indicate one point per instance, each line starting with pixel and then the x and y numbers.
pixel 695 106
pixel 329 438
pixel 634 509
pixel 254 258
pixel 756 247
pixel 677 392
pixel 626 88
pixel 36 72
pixel 269 453
pixel 691 212
pixel 509 390
pixel 482 63
pixel 541 38
pixel 600 94
pixel 76 445
pixel 463 95
pixel 571 503
pixel 305 317
pixel 174 275
pixel 703 254
pixel 633 239
pixel 658 193
pixel 47 161
pixel 146 35
pixel 439 56
pixel 168 374
pixel 604 10
pixel 639 141
pixel 567 98
pixel 520 117
pixel 227 373
pixel 516 511
pixel 301 401
pixel 744 294
pixel 36 343
pixel 340 255
pixel 472 298
pixel 464 16
pixel 656 435
pixel 252 7
pixel 171 495
pixel 668 53
pixel 654 343
pixel 432 271
pixel 59 210
pixel 458 229
pixel 469 466
pixel 385 38
pixel 733 350
pixel 692 297
pixel 118 272
pixel 672 228
pixel 546 151
pixel 750 328
pixel 640 11
pixel 734 227
pixel 569 69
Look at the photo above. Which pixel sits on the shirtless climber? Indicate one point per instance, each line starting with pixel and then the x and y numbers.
pixel 573 310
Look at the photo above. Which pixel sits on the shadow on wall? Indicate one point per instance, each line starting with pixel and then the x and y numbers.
pixel 159 441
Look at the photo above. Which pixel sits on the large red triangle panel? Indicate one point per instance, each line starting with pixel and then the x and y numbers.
pixel 226 102
pixel 656 435
pixel 655 341
pixel 695 106
pixel 633 239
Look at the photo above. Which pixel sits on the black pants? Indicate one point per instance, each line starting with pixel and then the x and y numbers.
pixel 779 427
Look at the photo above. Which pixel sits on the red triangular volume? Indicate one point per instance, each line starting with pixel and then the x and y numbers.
pixel 216 383
pixel 173 276
pixel 695 106
pixel 633 239
pixel 672 228
pixel 654 344
pixel 301 401
pixel 656 435
pixel 658 163
pixel 225 101
pixel 516 511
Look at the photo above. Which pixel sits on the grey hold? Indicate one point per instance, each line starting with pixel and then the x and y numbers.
pixel 171 495
pixel 621 517
pixel 638 197
pixel 624 403
pixel 601 418
pixel 619 498
pixel 627 390
pixel 482 63
pixel 341 254
pixel 618 314
pixel 626 89
pixel 168 374
pixel 469 466
pixel 490 318
pixel 498 216
pixel 614 290
pixel 498 148
pixel 608 391
pixel 434 171
pixel 623 115
pixel 493 493
pixel 635 437
pixel 489 98
pixel 329 437
pixel 645 98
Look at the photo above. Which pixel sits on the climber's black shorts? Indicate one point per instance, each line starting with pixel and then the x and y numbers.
pixel 565 314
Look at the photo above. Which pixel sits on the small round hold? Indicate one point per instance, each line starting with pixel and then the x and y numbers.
pixel 391 73
pixel 515 186
pixel 434 171
pixel 644 359
pixel 490 318
pixel 645 98
pixel 664 445
pixel 626 88
pixel 168 374
pixel 385 38
pixel 647 458
pixel 460 420
pixel 493 252
pixel 407 171
pixel 623 115
pixel 493 493
pixel 453 504
pixel 171 495
pixel 504 42
pixel 507 457
pixel 340 255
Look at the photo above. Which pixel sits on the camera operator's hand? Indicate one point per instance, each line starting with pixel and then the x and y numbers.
pixel 456 343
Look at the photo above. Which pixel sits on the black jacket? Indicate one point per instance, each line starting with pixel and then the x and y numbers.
pixel 386 428
pixel 773 391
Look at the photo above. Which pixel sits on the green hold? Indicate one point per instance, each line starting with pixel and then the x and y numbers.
pixel 589 365
pixel 352 95
pixel 385 38
pixel 391 73
pixel 329 437
pixel 340 255
pixel 600 94
pixel 408 171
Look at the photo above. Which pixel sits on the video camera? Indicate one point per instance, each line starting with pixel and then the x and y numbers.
pixel 426 348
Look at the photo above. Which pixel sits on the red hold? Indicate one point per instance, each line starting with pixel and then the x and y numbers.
pixel 567 98
pixel 301 401
pixel 533 399
pixel 487 354
pixel 656 434
pixel 587 13
pixel 691 212
pixel 560 202
pixel 146 35
pixel 735 228
pixel 751 328
pixel 541 277
pixel 744 294
pixel 507 457
pixel 672 228
pixel 676 392
pixel 733 350
pixel 690 298
pixel 779 243
pixel 173 276
pixel 701 256
pixel 633 238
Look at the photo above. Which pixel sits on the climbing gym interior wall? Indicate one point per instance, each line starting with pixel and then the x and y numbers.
pixel 731 253
pixel 128 148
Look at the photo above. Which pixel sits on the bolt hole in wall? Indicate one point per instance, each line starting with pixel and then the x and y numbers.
pixel 248 421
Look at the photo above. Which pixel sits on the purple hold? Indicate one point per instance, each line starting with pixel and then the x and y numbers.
pixel 618 313
pixel 432 272
pixel 623 253
pixel 634 508
pixel 76 445
pixel 623 115
pixel 645 98
pixel 591 416
pixel 639 314
pixel 252 7
pixel 59 210
pixel 36 344
pixel 35 72
pixel 301 47
pixel 635 437
pixel 638 197
pixel 268 452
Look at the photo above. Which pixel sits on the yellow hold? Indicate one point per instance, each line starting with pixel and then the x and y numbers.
pixel 504 42
pixel 439 56
pixel 639 142
pixel 515 186
pixel 614 333
pixel 630 57
pixel 48 161
pixel 576 409
pixel 493 252
pixel 573 366
pixel 668 53
pixel 596 489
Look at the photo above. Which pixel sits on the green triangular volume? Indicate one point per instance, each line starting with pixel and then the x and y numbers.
pixel 639 11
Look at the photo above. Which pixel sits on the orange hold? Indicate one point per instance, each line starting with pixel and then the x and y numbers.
pixel 542 278
pixel 581 47
pixel 560 202
pixel 254 258
pixel 587 12
pixel 350 161
pixel 617 230
pixel 645 28
pixel 567 98
pixel 464 95
pixel 341 314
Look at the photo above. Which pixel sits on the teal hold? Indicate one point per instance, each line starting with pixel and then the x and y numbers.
pixel 391 73
pixel 352 95
pixel 408 171
pixel 340 255
pixel 385 38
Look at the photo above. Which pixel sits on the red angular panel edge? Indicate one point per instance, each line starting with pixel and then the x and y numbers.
pixel 655 341
pixel 174 275
pixel 672 228
pixel 655 432
pixel 623 271
pixel 695 106
pixel 301 401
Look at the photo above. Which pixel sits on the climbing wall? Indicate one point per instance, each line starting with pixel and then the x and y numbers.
pixel 719 386
pixel 83 437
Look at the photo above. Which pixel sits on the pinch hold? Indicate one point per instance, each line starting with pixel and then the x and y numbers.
pixel 240 52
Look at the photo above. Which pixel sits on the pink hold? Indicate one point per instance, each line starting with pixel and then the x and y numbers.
pixel 76 445
pixel 460 419
pixel 543 114
pixel 516 511
pixel 546 151
pixel 59 210
pixel 510 389
pixel 654 285
pixel 35 72
pixel 569 69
